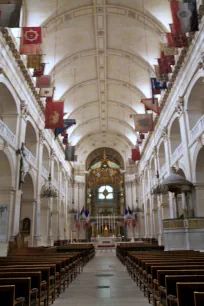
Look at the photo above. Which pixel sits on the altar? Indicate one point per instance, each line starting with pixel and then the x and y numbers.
pixel 104 241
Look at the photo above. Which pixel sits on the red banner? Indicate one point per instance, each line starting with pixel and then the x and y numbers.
pixel 39 72
pixel 44 81
pixel 54 113
pixel 136 153
pixel 31 35
pixel 29 49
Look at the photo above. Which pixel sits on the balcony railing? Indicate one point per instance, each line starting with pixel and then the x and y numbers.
pixel 30 158
pixel 198 129
pixel 7 135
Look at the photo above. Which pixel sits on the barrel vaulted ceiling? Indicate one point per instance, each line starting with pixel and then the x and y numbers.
pixel 101 54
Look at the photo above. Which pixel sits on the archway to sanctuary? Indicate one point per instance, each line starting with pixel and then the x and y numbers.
pixel 27 214
pixel 6 199
pixel 105 193
pixel 200 183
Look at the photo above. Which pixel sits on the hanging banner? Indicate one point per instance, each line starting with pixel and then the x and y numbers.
pixel 69 153
pixel 54 113
pixel 10 14
pixel 44 81
pixel 29 49
pixel 151 106
pixel 184 15
pixel 34 61
pixel 143 123
pixel 46 93
pixel 136 153
pixel 31 35
pixel 40 71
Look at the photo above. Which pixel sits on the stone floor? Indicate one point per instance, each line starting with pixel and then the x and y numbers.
pixel 103 282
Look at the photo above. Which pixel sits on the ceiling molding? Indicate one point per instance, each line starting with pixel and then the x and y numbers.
pixel 90 104
pixel 109 81
pixel 124 123
pixel 59 22
pixel 126 141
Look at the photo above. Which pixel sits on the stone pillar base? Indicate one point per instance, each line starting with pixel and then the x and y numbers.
pixel 37 241
pixel 160 239
pixel 4 249
pixel 50 241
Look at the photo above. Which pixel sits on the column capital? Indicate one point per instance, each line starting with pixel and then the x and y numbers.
pixel 52 154
pixel 154 151
pixel 164 133
pixel 41 137
pixel 179 108
pixel 24 109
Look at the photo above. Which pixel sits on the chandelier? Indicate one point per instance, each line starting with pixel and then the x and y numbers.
pixel 50 191
pixel 159 188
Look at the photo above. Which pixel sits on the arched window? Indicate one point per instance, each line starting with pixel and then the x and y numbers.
pixel 105 192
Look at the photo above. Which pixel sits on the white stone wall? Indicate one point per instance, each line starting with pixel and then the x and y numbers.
pixel 177 141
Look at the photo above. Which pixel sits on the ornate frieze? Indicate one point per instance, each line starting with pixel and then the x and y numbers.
pixel 164 133
pixel 179 109
pixel 41 137
pixel 24 110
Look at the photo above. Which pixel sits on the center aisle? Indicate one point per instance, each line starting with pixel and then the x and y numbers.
pixel 104 281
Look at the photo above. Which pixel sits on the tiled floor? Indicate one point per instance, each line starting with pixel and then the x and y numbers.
pixel 91 288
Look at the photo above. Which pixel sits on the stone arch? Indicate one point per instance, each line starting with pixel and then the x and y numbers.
pixel 46 158
pixel 56 170
pixel 28 204
pixel 31 139
pixel 161 155
pixel 175 135
pixel 8 108
pixel 199 176
pixel 195 102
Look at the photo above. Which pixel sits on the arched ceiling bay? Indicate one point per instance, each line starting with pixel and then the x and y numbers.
pixel 101 55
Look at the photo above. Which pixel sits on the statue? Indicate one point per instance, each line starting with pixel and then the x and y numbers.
pixel 26 226
pixel 23 165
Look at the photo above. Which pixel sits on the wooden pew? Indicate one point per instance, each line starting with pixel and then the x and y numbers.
pixel 185 292
pixel 198 298
pixel 45 277
pixel 171 286
pixel 7 296
pixel 36 282
pixel 152 285
pixel 22 288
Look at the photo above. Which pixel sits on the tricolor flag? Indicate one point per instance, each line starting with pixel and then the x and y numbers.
pixel 65 140
pixel 31 35
pixel 34 61
pixel 46 93
pixel 39 72
pixel 69 153
pixel 151 106
pixel 184 15
pixel 44 81
pixel 67 123
pixel 133 219
pixel 157 86
pixel 136 153
pixel 143 123
pixel 10 14
pixel 54 115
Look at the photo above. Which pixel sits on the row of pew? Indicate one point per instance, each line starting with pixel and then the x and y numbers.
pixel 170 278
pixel 37 276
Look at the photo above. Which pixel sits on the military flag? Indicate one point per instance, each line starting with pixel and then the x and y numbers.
pixel 34 61
pixel 168 50
pixel 69 153
pixel 31 35
pixel 157 86
pixel 10 14
pixel 65 140
pixel 44 81
pixel 184 15
pixel 54 115
pixel 151 106
pixel 176 39
pixel 40 71
pixel 136 153
pixel 143 123
pixel 46 93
